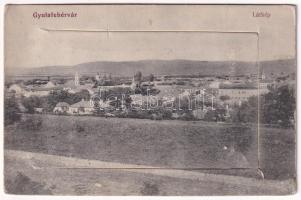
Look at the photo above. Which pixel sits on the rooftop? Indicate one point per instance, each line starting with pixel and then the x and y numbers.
pixel 82 103
pixel 62 104
pixel 238 86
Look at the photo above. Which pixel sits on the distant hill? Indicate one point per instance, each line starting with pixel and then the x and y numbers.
pixel 165 67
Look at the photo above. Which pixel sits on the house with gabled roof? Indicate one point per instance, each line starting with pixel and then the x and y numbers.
pixel 82 108
pixel 61 107
pixel 50 84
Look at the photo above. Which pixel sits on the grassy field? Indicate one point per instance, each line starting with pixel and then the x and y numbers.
pixel 170 144
pixel 167 144
pixel 277 153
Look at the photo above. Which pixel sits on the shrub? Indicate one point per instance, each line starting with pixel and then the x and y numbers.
pixel 210 116
pixel 156 116
pixel 224 98
pixel 187 116
pixel 166 114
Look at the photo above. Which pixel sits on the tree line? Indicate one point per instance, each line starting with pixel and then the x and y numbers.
pixel 276 107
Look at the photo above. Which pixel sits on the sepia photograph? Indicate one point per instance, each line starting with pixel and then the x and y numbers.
pixel 150 100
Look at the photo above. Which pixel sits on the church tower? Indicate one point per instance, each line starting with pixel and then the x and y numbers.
pixel 263 75
pixel 76 79
pixel 97 77
pixel 134 84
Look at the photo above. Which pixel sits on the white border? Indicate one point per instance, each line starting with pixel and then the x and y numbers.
pixel 13 197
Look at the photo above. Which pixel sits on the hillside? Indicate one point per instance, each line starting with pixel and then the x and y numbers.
pixel 164 67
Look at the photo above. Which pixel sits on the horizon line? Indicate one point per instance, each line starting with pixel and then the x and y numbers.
pixel 192 60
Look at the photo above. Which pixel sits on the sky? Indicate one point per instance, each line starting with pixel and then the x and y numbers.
pixel 215 33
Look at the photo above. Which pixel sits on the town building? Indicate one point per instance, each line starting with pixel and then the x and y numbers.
pixel 83 107
pixel 74 86
pixel 135 84
pixel 97 77
pixel 238 93
pixel 49 84
pixel 214 84
pixel 27 91
pixel 61 107
pixel 38 110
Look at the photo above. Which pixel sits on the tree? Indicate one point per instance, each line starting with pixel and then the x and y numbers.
pixel 83 94
pixel 55 97
pixel 138 77
pixel 50 101
pixel 224 98
pixel 118 97
pixel 210 116
pixel 183 103
pixel 97 110
pixel 247 112
pixel 145 90
pixel 11 110
pixel 61 81
pixel 278 106
pixel 217 114
pixel 151 78
pixel 32 102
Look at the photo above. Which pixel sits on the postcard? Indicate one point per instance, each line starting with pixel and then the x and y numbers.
pixel 165 100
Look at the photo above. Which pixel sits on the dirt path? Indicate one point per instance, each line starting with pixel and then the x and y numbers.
pixel 65 175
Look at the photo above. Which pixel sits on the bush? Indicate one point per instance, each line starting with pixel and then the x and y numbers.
pixel 156 116
pixel 247 112
pixel 166 114
pixel 210 116
pixel 224 98
pixel 187 116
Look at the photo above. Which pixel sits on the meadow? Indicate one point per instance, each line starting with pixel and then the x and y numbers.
pixel 163 144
